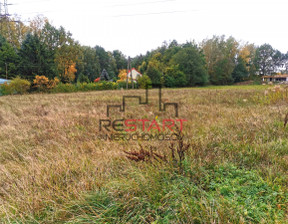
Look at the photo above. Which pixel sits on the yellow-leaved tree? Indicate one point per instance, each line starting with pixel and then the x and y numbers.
pixel 67 55
pixel 247 53
pixel 122 75
pixel 69 73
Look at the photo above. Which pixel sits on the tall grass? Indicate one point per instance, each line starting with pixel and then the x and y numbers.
pixel 54 169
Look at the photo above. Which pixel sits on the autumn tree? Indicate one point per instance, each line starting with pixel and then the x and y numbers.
pixel 247 52
pixel 69 73
pixel 13 30
pixel 64 50
pixel 67 55
pixel 122 75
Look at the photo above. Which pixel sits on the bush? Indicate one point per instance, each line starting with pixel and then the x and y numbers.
pixel 144 81
pixel 67 88
pixel 122 84
pixel 43 84
pixel 275 94
pixel 64 88
pixel 16 86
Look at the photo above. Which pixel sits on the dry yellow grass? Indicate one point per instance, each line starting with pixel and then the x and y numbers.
pixel 50 153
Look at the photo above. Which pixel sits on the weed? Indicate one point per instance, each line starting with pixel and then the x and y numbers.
pixel 179 149
pixel 145 155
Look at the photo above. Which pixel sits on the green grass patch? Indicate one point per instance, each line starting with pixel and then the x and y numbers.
pixel 202 195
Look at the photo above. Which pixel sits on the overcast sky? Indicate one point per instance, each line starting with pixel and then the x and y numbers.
pixel 136 26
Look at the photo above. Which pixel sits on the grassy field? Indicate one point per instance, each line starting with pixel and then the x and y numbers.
pixel 55 169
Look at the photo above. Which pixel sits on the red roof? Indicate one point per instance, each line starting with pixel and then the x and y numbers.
pixel 97 80
pixel 134 70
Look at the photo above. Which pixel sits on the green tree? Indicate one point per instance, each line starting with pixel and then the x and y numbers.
pixel 172 49
pixel 89 64
pixel 192 63
pixel 278 61
pixel 174 77
pixel 8 60
pixel 240 72
pixel 155 69
pixel 143 67
pixel 154 73
pixel 35 58
pixel 83 78
pixel 138 61
pixel 106 61
pixel 264 59
pixel 120 59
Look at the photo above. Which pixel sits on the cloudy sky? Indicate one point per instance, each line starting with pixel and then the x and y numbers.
pixel 135 26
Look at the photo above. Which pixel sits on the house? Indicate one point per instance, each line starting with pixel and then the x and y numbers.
pixel 135 74
pixel 275 78
pixel 2 81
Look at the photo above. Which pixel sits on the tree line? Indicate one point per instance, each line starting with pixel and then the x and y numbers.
pixel 217 61
pixel 44 50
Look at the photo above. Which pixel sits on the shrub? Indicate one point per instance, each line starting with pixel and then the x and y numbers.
pixel 16 86
pixel 144 81
pixel 42 83
pixel 276 94
pixel 122 84
pixel 64 88
pixel 67 88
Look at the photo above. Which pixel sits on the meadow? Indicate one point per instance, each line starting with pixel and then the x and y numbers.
pixel 233 166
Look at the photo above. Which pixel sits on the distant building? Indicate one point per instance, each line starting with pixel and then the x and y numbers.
pixel 104 76
pixel 135 74
pixel 2 81
pixel 275 78
pixel 97 80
